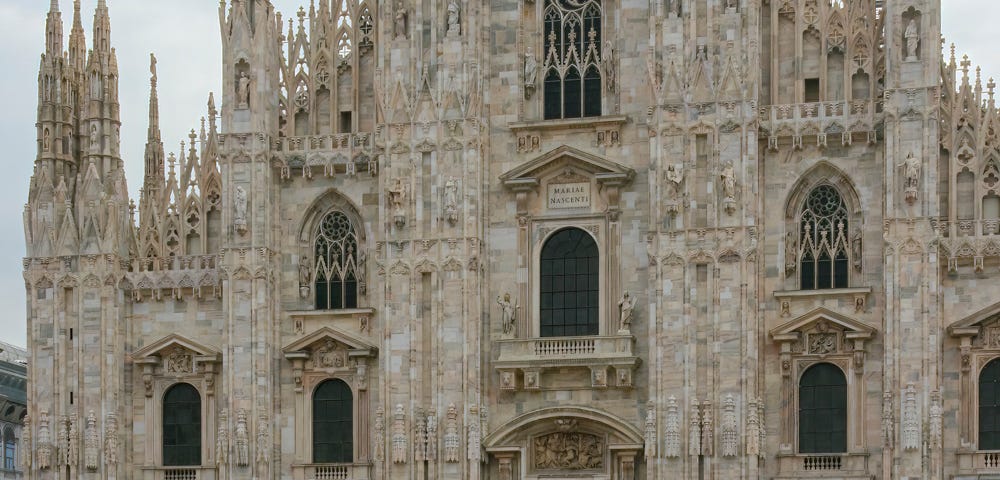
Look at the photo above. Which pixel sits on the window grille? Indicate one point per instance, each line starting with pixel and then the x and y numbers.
pixel 823 410
pixel 825 249
pixel 333 424
pixel 182 427
pixel 989 407
pixel 336 263
pixel 569 285
pixel 573 75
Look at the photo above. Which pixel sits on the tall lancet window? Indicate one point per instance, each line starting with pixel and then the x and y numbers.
pixel 336 263
pixel 824 241
pixel 572 58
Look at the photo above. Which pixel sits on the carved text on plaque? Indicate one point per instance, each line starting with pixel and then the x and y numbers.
pixel 569 195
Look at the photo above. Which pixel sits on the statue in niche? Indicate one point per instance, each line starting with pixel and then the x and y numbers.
pixel 240 209
pixel 451 201
pixel 45 140
pixel 728 177
pixel 508 311
pixel 305 276
pixel 674 177
pixel 730 4
pixel 675 8
pixel 791 253
pixel 911 172
pixel 856 250
pixel 454 19
pixel 530 74
pixel 912 40
pixel 399 20
pixel 626 307
pixel 95 143
pixel 243 91
pixel 608 64
pixel 397 197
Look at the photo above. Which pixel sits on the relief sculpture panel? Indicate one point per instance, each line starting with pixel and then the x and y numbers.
pixel 569 451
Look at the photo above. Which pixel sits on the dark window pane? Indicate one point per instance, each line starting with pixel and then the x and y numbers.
pixel 333 423
pixel 823 410
pixel 592 93
pixel 989 407
pixel 182 426
pixel 569 284
pixel 553 95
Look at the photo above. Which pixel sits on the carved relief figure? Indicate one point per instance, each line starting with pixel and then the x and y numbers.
pixel 379 433
pixel 694 430
pixel 399 434
pixel 650 430
pixel 672 434
pixel 263 446
pixel 242 440
pixel 856 250
pixel 474 438
pixel 911 173
pixel 243 91
pixel 432 442
pixel 305 276
pixel 399 21
pixel 44 442
pixel 240 209
pixel 728 176
pixel 454 25
pixel 222 439
pixel 569 451
pixel 675 8
pixel 730 432
pixel 608 64
pixel 178 361
pixel 911 422
pixel 91 443
pixel 451 437
pixel 451 201
pixel 419 437
pixel 397 197
pixel 26 450
pixel 508 312
pixel 791 253
pixel 95 143
pixel 626 307
pixel 530 74
pixel 912 35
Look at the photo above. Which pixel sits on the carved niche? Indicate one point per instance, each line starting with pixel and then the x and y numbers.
pixel 568 451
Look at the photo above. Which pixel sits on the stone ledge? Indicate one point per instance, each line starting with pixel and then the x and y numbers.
pixel 341 312
pixel 531 356
pixel 829 292
pixel 568 123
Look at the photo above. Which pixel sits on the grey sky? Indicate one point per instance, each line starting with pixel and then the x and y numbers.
pixel 184 34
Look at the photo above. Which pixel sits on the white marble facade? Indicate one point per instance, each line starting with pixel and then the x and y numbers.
pixel 771 187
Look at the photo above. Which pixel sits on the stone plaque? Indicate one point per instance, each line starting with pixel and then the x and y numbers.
pixel 569 195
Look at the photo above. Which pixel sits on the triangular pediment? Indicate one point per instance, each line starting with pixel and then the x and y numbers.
pixel 971 325
pixel 355 345
pixel 171 342
pixel 852 328
pixel 556 161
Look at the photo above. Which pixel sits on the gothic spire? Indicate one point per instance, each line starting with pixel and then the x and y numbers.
pixel 54 31
pixel 77 40
pixel 154 145
pixel 102 28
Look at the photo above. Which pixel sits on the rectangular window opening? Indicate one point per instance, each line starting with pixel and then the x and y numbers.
pixel 345 122
pixel 812 90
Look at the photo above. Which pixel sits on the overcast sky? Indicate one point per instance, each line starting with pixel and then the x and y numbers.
pixel 184 34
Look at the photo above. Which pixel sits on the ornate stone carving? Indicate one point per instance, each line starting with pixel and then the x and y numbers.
pixel 822 343
pixel 934 421
pixel 791 253
pixel 432 437
pixel 728 177
pixel 92 441
pixel 568 451
pixel 530 77
pixel 26 448
pixel 178 361
pixel 222 439
pixel 753 429
pixel 397 202
pixel 63 441
pixel 305 277
pixel 419 437
pixel 912 35
pixel 763 427
pixel 626 308
pixel 240 210
pixel 650 430
pixel 474 438
pixel 730 429
pixel 707 429
pixel 399 21
pixel 243 91
pixel 608 64
pixel 328 355
pixel 911 421
pixel 674 189
pixel 44 442
pixel 399 434
pixel 508 314
pixel 888 434
pixel 672 435
pixel 263 445
pixel 451 436
pixel 694 430
pixel 242 439
pixel 379 437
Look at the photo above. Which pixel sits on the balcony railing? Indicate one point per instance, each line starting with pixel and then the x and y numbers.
pixel 332 472
pixel 989 460
pixel 566 350
pixel 829 462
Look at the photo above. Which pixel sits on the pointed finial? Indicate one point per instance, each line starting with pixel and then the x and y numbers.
pixel 54 6
pixel 152 69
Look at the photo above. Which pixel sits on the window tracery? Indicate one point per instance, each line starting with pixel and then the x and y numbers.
pixel 337 272
pixel 572 65
pixel 824 240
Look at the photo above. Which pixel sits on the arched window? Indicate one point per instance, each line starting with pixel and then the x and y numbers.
pixel 824 243
pixel 572 58
pixel 333 423
pixel 181 426
pixel 570 277
pixel 823 410
pixel 9 449
pixel 336 263
pixel 989 406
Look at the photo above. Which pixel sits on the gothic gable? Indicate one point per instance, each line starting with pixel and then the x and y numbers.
pixel 974 324
pixel 328 338
pixel 175 343
pixel 555 161
pixel 821 320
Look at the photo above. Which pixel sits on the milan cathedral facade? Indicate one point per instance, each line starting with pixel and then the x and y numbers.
pixel 524 239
